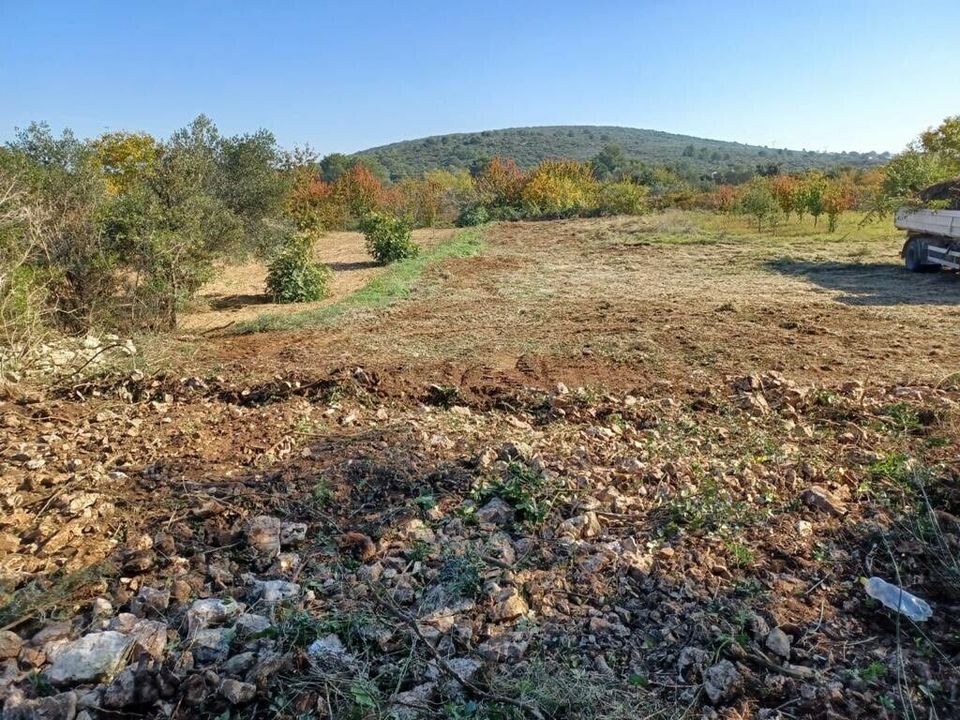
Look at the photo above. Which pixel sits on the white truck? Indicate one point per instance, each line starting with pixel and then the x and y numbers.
pixel 933 238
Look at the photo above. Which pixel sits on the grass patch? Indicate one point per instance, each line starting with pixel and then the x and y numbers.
pixel 393 285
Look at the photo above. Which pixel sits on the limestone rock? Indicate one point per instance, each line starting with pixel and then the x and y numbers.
pixel 92 658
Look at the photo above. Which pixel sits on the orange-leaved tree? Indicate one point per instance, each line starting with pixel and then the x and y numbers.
pixel 500 183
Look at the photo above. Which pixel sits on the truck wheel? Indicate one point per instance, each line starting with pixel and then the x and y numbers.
pixel 913 257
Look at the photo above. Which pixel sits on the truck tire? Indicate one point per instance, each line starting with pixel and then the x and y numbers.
pixel 914 256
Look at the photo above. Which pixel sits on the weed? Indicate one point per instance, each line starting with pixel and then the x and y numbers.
pixel 524 488
pixel 462 576
pixel 740 553
pixel 709 508
pixel 874 671
pixel 322 493
pixel 902 418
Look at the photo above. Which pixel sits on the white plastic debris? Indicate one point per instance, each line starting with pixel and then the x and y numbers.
pixel 898 599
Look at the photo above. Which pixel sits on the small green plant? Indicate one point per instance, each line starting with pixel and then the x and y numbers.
pixel 388 238
pixel 462 575
pixel 709 508
pixel 874 671
pixel 293 276
pixel 473 215
pixel 740 553
pixel 902 417
pixel 322 493
pixel 524 488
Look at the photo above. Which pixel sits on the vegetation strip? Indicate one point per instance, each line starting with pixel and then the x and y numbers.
pixel 394 284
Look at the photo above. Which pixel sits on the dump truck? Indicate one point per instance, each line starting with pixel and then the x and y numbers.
pixel 933 238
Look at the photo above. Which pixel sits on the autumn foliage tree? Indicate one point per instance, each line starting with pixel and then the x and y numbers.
pixel 785 190
pixel 500 183
pixel 359 190
pixel 838 197
pixel 560 188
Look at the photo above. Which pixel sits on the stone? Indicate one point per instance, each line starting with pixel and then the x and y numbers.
pixel 236 692
pixel 329 648
pixel 267 535
pixel 722 682
pixel 150 637
pixel 411 704
pixel 817 498
pixel 150 600
pixel 248 624
pixel 778 642
pixel 93 658
pixel 10 644
pixel 275 591
pixel 122 692
pixel 239 664
pixel 509 606
pixel 495 512
pixel 210 645
pixel 210 611
pixel 580 526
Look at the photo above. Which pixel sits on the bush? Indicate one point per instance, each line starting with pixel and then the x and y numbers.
pixel 560 188
pixel 293 276
pixel 473 215
pixel 388 238
pixel 622 198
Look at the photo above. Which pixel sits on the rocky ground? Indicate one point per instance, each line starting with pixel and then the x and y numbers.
pixel 408 539
pixel 551 554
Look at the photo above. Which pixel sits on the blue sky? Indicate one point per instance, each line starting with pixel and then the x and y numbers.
pixel 341 76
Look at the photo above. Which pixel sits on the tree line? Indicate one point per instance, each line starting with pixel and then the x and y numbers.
pixel 121 230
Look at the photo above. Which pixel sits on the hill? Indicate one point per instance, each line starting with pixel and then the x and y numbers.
pixel 530 145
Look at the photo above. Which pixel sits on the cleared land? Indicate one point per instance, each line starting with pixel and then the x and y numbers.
pixel 618 468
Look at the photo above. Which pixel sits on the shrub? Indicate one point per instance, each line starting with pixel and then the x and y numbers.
pixel 560 188
pixel 388 237
pixel 622 198
pixel 293 276
pixel 473 215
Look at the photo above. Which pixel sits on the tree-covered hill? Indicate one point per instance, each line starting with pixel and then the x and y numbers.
pixel 528 146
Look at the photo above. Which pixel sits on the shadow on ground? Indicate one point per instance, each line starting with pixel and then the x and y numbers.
pixel 874 283
pixel 358 265
pixel 232 302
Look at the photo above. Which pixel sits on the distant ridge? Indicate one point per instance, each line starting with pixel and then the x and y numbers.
pixel 530 145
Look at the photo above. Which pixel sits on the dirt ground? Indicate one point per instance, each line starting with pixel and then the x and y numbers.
pixel 615 301
pixel 606 468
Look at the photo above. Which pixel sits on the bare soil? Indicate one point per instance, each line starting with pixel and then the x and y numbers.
pixel 598 471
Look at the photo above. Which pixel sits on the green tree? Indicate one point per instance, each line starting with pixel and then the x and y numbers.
pixel 759 202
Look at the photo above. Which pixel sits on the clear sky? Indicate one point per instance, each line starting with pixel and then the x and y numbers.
pixel 345 75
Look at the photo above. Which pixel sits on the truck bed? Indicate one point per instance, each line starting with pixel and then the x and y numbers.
pixel 938 223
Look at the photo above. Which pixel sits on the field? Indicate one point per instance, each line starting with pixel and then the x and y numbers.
pixel 628 467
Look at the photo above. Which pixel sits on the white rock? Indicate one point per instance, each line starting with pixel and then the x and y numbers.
pixel 92 658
